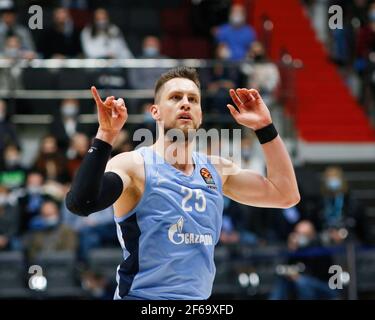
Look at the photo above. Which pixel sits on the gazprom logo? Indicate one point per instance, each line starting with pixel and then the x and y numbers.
pixel 176 235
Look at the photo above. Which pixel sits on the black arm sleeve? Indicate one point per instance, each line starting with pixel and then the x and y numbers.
pixel 93 190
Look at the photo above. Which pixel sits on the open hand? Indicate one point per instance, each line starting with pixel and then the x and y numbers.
pixel 252 111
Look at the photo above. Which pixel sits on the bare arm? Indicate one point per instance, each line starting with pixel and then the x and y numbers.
pixel 279 189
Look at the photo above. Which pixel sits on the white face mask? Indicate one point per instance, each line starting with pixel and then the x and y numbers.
pixel 69 110
pixel 12 161
pixel 34 189
pixel 51 221
pixel 237 19
pixel 333 184
pixel 150 51
pixel 302 241
pixel 11 52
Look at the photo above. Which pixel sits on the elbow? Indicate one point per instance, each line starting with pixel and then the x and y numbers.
pixel 291 201
pixel 75 207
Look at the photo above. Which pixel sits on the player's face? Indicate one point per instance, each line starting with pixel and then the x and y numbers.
pixel 179 105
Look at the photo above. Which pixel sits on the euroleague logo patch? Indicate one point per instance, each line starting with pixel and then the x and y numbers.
pixel 207 177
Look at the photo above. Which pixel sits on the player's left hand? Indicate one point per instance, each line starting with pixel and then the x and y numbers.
pixel 252 111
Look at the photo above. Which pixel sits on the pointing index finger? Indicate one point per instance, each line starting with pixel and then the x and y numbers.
pixel 96 96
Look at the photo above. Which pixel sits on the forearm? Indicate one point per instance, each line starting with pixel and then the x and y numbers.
pixel 280 170
pixel 93 190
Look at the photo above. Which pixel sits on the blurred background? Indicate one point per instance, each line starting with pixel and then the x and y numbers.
pixel 319 84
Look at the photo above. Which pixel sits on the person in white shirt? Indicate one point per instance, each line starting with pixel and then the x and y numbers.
pixel 102 39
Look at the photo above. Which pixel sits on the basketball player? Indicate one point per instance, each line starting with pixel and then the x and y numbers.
pixel 168 213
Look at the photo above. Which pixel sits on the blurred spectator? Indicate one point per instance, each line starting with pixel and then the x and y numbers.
pixel 148 123
pixel 50 161
pixel 261 74
pixel 8 133
pixel 252 155
pixel 95 231
pixel 339 209
pixel 97 285
pixel 66 124
pixel 306 276
pixel 62 39
pixel 145 78
pixel 234 224
pixel 76 152
pixel 9 27
pixel 122 143
pixel 236 34
pixel 13 50
pixel 12 173
pixel 9 221
pixel 31 199
pixel 48 234
pixel 103 39
pixel 223 77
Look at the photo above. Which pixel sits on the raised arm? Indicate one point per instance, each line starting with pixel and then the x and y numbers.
pixel 99 183
pixel 279 189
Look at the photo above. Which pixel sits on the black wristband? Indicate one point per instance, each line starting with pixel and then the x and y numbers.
pixel 266 134
pixel 104 147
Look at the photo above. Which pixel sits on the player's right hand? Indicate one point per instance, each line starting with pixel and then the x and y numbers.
pixel 112 114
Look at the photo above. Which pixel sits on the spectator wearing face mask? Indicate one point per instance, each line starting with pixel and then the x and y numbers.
pixel 48 234
pixel 62 39
pixel 77 150
pixel 50 161
pixel 305 275
pixel 31 199
pixel 222 77
pixel 261 73
pixel 102 39
pixel 251 154
pixel 339 209
pixel 236 34
pixel 13 50
pixel 145 78
pixel 9 27
pixel 12 173
pixel 66 124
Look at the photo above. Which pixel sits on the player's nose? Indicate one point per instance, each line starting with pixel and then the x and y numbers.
pixel 185 104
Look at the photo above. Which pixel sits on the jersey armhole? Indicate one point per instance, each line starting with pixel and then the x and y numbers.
pixel 142 152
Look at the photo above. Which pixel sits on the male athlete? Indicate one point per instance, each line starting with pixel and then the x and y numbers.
pixel 168 208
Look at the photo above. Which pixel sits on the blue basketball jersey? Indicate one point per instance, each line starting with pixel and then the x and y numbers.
pixel 168 239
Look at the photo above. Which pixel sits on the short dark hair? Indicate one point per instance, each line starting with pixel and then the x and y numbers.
pixel 179 72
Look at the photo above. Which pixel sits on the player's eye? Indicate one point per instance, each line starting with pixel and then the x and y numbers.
pixel 176 97
pixel 192 99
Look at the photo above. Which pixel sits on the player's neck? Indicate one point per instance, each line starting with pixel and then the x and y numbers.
pixel 178 155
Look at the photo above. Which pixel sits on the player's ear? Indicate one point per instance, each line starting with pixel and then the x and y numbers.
pixel 155 112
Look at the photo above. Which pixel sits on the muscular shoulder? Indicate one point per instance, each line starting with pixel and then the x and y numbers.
pixel 223 166
pixel 127 162
pixel 129 166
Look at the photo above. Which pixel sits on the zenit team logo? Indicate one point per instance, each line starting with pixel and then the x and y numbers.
pixel 207 177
